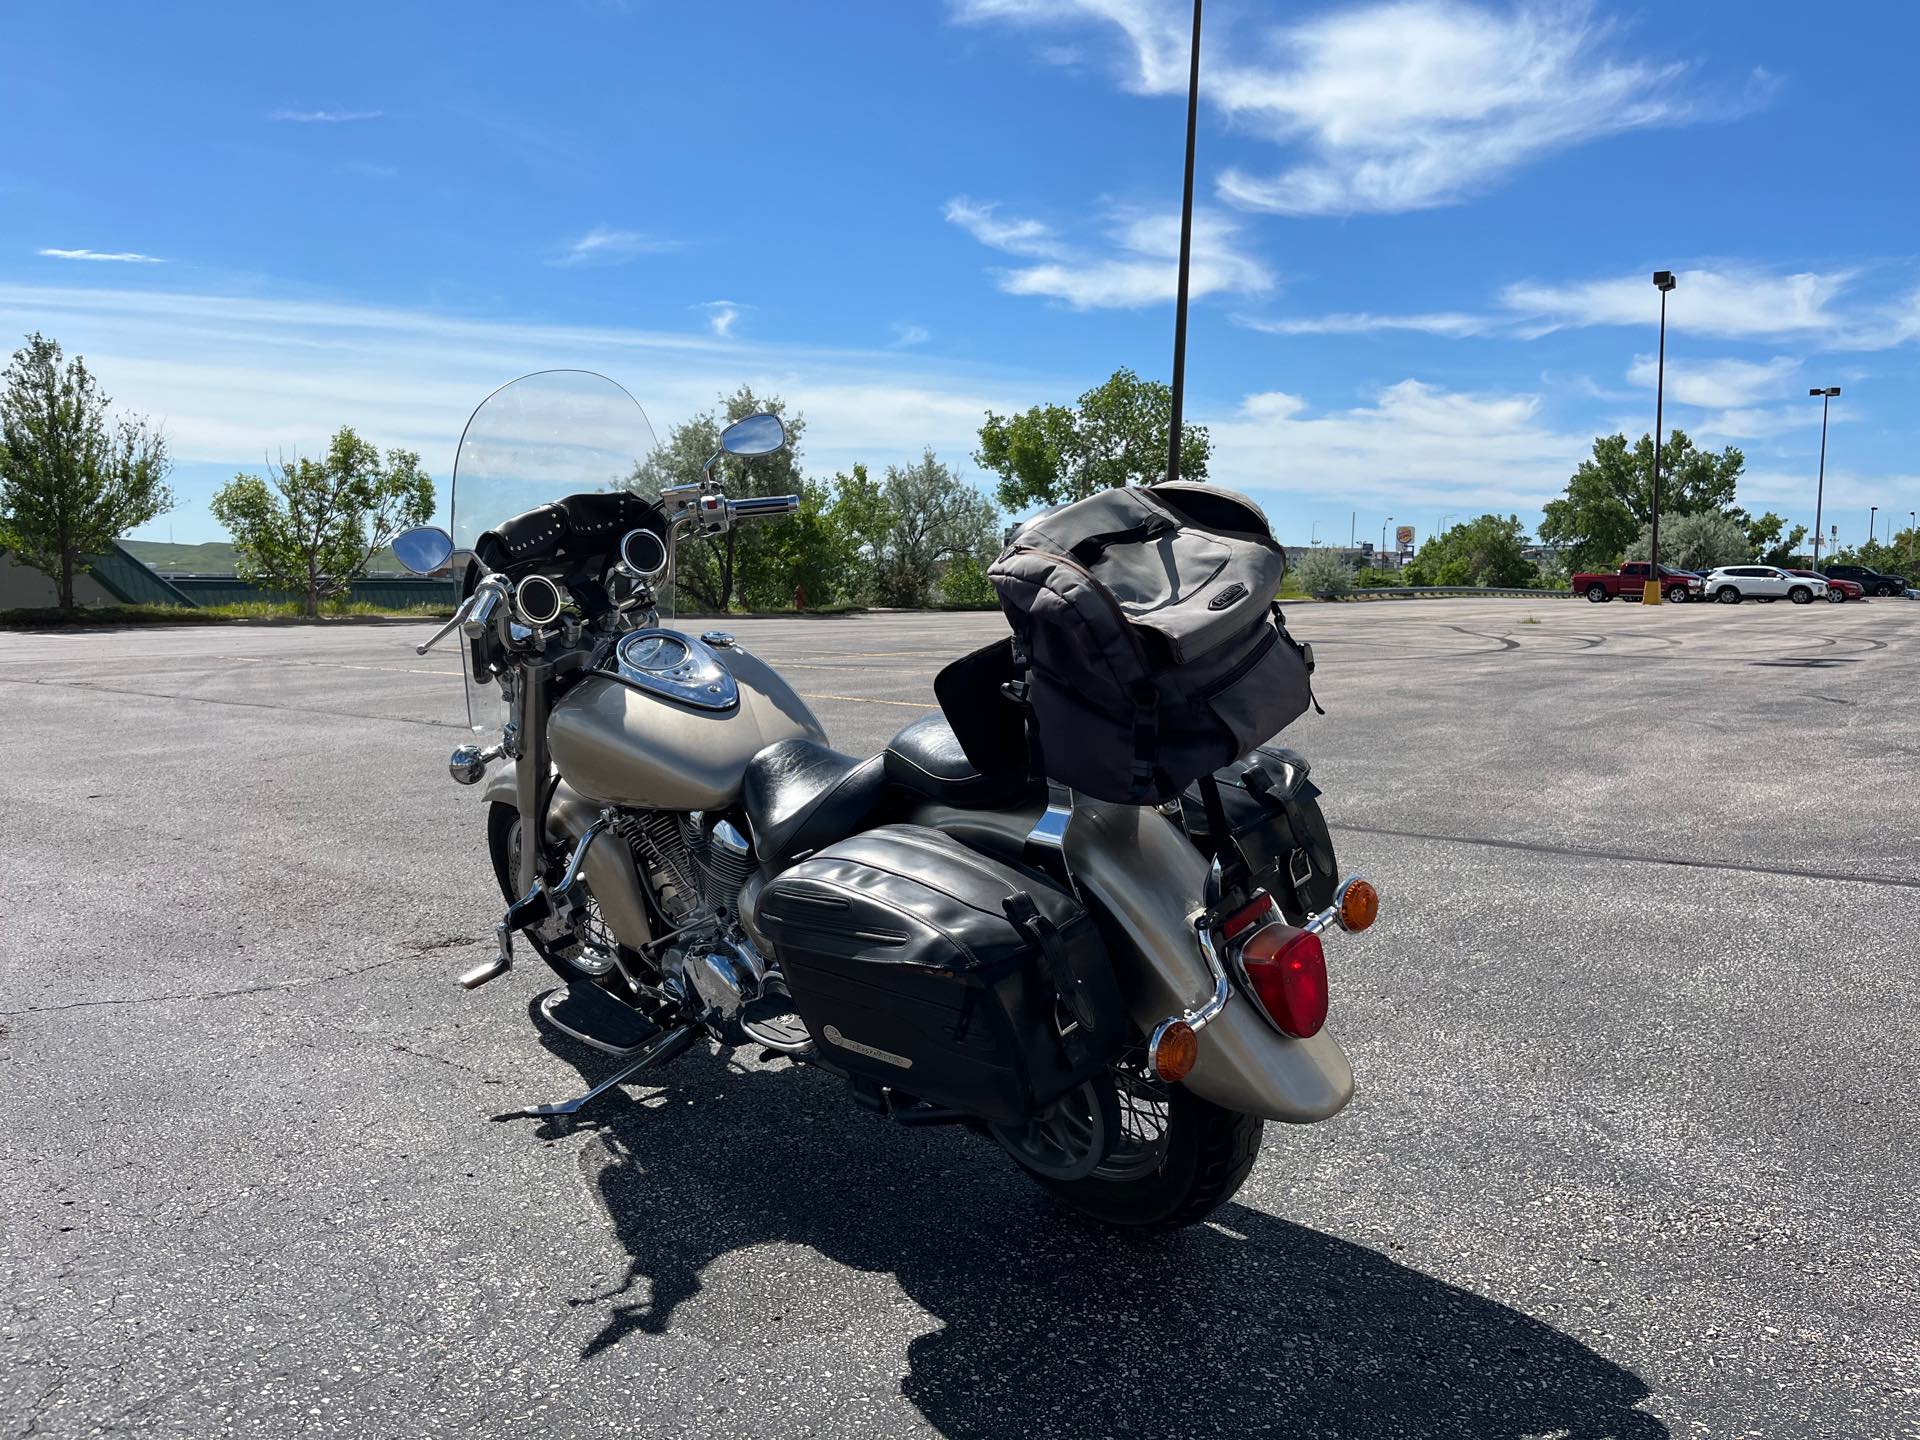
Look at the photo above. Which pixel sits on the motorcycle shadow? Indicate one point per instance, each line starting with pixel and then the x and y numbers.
pixel 1048 1326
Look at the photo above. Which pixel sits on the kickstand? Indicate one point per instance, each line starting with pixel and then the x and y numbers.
pixel 656 1051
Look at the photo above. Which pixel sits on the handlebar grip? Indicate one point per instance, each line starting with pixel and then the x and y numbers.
pixel 763 507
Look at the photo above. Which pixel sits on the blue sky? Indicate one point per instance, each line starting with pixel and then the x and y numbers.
pixel 1425 230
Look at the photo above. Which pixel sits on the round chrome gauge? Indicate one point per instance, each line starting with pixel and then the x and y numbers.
pixel 676 667
pixel 644 553
pixel 537 600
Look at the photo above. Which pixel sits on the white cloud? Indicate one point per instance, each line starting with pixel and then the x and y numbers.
pixel 1447 323
pixel 1015 236
pixel 1734 303
pixel 721 315
pixel 1724 384
pixel 123 257
pixel 1731 303
pixel 604 246
pixel 1399 106
pixel 1141 269
pixel 1415 446
pixel 325 117
pixel 905 336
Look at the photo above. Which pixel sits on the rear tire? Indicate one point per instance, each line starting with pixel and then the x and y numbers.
pixel 1727 595
pixel 1597 594
pixel 1208 1155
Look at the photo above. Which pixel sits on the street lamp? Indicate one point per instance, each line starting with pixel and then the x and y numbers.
pixel 1315 538
pixel 1820 495
pixel 1383 539
pixel 1663 282
pixel 1873 519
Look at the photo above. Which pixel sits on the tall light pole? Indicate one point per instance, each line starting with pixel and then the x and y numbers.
pixel 1873 519
pixel 1383 539
pixel 1186 254
pixel 1820 494
pixel 1651 595
pixel 1910 539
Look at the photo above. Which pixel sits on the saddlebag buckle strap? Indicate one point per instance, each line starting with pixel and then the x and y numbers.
pixel 1076 1040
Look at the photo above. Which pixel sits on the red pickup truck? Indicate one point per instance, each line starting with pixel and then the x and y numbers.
pixel 1677 585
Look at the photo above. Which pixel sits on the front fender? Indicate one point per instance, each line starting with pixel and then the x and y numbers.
pixel 1148 877
pixel 608 868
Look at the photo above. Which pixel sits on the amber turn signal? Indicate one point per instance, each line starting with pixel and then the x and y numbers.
pixel 1173 1051
pixel 1357 906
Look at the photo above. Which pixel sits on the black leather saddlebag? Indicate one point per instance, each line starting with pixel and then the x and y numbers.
pixel 1272 815
pixel 947 975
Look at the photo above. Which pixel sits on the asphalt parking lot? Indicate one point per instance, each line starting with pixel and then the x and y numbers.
pixel 1632 1153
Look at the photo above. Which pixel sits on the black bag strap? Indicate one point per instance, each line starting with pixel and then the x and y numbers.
pixel 1078 1039
pixel 1019 691
pixel 1234 873
pixel 1146 739
pixel 1089 550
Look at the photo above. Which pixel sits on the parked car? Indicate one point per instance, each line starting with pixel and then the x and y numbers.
pixel 1731 584
pixel 1676 585
pixel 1838 590
pixel 1869 579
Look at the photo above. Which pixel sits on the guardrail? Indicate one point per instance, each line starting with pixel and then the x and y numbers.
pixel 1415 592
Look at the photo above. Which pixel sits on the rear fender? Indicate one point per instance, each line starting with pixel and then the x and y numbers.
pixel 1147 875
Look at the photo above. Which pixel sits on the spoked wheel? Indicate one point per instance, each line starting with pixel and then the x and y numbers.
pixel 1836 596
pixel 1800 595
pixel 1068 1139
pixel 1727 595
pixel 1175 1158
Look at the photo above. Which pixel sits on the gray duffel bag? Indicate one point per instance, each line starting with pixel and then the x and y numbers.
pixel 1147 645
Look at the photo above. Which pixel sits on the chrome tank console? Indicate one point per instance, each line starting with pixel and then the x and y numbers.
pixel 676 667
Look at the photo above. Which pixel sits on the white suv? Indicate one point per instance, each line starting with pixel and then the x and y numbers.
pixel 1731 584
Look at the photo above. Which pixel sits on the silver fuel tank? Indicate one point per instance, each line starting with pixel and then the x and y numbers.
pixel 675 726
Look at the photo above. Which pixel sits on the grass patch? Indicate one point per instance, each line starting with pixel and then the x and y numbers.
pixel 249 612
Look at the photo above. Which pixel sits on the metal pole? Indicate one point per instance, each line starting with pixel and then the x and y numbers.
pixel 1820 493
pixel 1186 254
pixel 1659 398
pixel 1873 522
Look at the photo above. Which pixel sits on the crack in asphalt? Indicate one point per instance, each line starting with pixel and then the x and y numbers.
pixel 90 688
pixel 271 985
pixel 1632 857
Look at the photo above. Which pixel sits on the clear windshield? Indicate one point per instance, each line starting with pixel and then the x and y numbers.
pixel 539 439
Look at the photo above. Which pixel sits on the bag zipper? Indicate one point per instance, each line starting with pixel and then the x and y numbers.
pixel 1252 658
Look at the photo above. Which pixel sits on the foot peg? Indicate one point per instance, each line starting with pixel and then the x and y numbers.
pixel 657 1051
pixel 496 967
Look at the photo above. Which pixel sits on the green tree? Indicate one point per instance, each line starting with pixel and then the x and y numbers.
pixel 936 520
pixel 1610 496
pixel 312 526
pixel 746 562
pixel 71 482
pixel 1768 540
pixel 1699 542
pixel 1323 573
pixel 1115 435
pixel 1486 551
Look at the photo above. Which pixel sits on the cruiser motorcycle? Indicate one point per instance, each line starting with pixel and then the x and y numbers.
pixel 645 789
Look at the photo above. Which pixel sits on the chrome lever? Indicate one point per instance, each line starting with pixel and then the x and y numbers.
pixel 446 629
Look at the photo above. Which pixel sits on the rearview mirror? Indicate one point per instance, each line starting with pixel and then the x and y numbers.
pixel 423 549
pixel 760 434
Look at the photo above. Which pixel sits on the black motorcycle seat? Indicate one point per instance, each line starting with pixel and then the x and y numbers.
pixel 926 759
pixel 801 795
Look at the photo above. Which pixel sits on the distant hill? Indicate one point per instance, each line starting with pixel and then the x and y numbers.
pixel 215 557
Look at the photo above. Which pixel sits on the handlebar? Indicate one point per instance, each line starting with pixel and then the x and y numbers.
pixel 764 507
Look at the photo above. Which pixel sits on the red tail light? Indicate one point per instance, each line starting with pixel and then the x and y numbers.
pixel 1287 971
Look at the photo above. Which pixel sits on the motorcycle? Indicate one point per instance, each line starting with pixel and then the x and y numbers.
pixel 656 789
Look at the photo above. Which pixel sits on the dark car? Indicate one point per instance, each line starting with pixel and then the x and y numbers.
pixel 1839 588
pixel 1869 579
